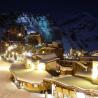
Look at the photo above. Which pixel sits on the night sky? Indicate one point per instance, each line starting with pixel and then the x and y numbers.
pixel 57 8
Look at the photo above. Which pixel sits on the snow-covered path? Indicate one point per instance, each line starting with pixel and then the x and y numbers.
pixel 8 89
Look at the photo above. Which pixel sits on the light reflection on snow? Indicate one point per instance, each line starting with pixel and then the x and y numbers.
pixel 8 89
pixel 4 68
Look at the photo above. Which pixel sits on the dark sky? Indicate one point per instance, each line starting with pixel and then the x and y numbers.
pixel 58 8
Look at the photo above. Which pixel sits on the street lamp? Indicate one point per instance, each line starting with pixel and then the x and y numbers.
pixel 19 35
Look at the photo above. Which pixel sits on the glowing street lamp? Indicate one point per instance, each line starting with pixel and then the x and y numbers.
pixel 19 35
pixel 43 52
pixel 13 53
pixel 10 48
pixel 6 45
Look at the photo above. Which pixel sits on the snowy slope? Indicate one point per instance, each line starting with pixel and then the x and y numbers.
pixel 31 23
pixel 39 24
pixel 80 31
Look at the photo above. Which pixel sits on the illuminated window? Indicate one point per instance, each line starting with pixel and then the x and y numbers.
pixel 95 70
pixel 41 66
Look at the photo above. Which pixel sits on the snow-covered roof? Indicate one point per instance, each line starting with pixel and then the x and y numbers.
pixel 47 56
pixel 28 75
pixel 75 83
pixel 32 76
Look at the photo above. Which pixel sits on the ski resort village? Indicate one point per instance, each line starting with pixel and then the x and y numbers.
pixel 40 59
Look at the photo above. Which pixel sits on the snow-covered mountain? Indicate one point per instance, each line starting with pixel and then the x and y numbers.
pixel 81 31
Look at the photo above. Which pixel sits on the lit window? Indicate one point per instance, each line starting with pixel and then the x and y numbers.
pixel 95 70
pixel 41 66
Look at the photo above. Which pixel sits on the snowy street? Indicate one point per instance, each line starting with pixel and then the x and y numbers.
pixel 8 89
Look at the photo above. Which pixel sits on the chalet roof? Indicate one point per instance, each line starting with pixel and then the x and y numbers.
pixel 75 83
pixel 28 75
